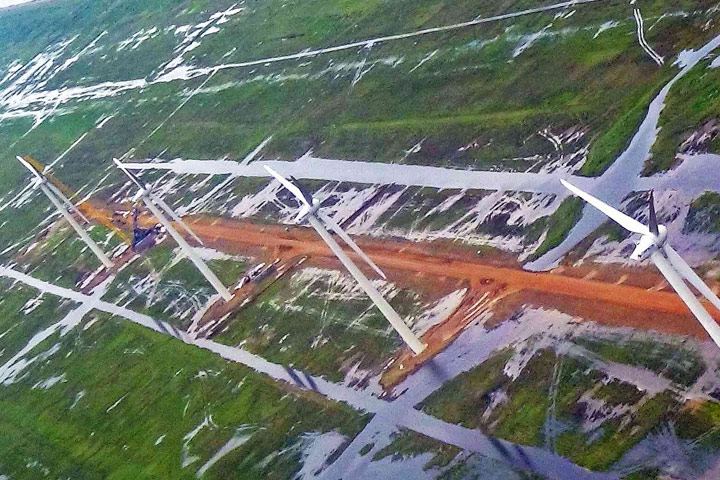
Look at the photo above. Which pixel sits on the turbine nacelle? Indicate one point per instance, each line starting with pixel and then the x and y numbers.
pixel 310 208
pixel 650 243
pixel 654 236
pixel 145 192
pixel 318 220
pixel 654 245
pixel 307 211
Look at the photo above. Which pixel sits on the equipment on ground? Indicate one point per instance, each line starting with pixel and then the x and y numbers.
pixel 159 209
pixel 143 238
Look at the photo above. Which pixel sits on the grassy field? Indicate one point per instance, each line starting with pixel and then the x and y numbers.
pixel 23 312
pixel 691 104
pixel 617 439
pixel 447 462
pixel 680 364
pixel 474 88
pixel 116 401
pixel 464 399
pixel 560 391
pixel 169 288
pixel 408 444
pixel 701 422
pixel 129 403
pixel 318 320
pixel 557 226
pixel 704 214
pixel 62 258
pixel 478 102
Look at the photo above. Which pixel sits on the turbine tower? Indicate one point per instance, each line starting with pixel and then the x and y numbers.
pixel 159 208
pixel 310 212
pixel 653 244
pixel 65 207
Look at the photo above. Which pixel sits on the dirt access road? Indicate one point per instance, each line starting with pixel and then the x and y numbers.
pixel 413 257
pixel 611 295
pixel 620 297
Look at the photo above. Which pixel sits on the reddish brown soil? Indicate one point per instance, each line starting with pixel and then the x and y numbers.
pixel 610 295
pixel 430 261
pixel 218 315
pixel 415 257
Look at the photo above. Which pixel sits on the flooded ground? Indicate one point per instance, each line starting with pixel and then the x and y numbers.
pixel 638 350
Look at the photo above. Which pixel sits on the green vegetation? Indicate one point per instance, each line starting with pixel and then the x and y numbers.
pixel 616 439
pixel 644 474
pixel 619 393
pixel 478 103
pixel 612 232
pixel 700 422
pixel 473 91
pixel 23 312
pixel 408 444
pixel 475 466
pixel 128 398
pixel 575 377
pixel 416 210
pixel 165 288
pixel 318 320
pixel 691 105
pixel 522 417
pixel 366 449
pixel 558 224
pixel 463 399
pixel 680 364
pixel 63 258
pixel 554 388
pixel 704 214
pixel 617 138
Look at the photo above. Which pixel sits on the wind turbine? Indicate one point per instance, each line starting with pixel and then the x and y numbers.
pixel 311 212
pixel 65 207
pixel 653 244
pixel 159 208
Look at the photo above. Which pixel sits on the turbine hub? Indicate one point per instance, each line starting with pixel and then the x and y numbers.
pixel 661 237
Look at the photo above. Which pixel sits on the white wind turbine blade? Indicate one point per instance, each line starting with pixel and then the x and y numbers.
pixel 66 201
pixel 161 203
pixel 289 185
pixel 130 175
pixel 686 271
pixel 192 256
pixel 346 238
pixel 306 198
pixel 625 221
pixel 40 179
pixel 135 198
pixel 76 226
pixel 676 281
pixel 32 169
pixel 302 214
pixel 390 314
